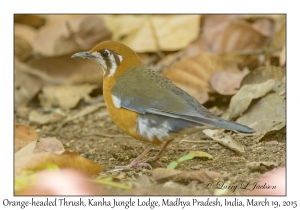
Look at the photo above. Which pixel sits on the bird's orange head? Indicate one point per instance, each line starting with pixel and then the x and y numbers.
pixel 114 57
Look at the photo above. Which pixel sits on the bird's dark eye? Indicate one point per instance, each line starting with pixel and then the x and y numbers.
pixel 104 53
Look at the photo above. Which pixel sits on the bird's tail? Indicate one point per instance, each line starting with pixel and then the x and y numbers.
pixel 234 126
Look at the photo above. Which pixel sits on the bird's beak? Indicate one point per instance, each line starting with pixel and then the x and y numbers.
pixel 83 55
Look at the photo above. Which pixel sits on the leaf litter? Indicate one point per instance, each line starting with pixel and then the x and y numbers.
pixel 114 149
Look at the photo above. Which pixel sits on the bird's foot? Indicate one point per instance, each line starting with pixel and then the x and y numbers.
pixel 135 163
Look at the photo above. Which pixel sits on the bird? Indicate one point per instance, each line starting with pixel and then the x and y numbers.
pixel 146 105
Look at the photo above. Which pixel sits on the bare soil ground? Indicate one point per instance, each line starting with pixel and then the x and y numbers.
pixel 97 138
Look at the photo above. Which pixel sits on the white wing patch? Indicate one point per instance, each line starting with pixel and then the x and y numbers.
pixel 116 101
pixel 149 132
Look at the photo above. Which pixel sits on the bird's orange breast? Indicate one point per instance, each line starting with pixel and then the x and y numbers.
pixel 125 119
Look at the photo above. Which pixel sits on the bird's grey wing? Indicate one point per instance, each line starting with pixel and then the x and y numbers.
pixel 145 91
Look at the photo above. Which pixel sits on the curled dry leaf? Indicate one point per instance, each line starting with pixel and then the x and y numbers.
pixel 264 73
pixel 79 163
pixel 264 26
pixel 65 34
pixel 224 139
pixel 240 102
pixel 65 96
pixel 193 74
pixel 233 36
pixel 23 136
pixel 266 115
pixel 163 174
pixel 227 83
pixel 49 145
pixel 150 33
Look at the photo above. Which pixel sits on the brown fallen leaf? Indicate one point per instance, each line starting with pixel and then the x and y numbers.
pixel 23 37
pixel 240 102
pixel 266 115
pixel 79 163
pixel 35 21
pixel 163 174
pixel 49 145
pixel 193 74
pixel 23 136
pixel 227 83
pixel 150 33
pixel 265 26
pixel 25 151
pixel 65 96
pixel 224 139
pixel 233 36
pixel 69 33
pixel 42 119
pixel 282 57
pixel 264 73
pixel 26 86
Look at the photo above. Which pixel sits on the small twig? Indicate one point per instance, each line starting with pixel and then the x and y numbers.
pixel 258 52
pixel 159 52
pixel 106 135
pixel 36 72
pixel 201 141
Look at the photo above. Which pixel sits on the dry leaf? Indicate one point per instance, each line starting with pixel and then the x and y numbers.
pixel 201 154
pixel 23 38
pixel 233 36
pixel 26 86
pixel 69 33
pixel 25 151
pixel 264 26
pixel 193 74
pixel 163 174
pixel 240 102
pixel 282 56
pixel 227 83
pixel 69 71
pixel 264 73
pixel 279 39
pixel 65 96
pixel 25 33
pixel 142 32
pixel 34 21
pixel 23 136
pixel 42 119
pixel 79 163
pixel 49 145
pixel 224 139
pixel 266 115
